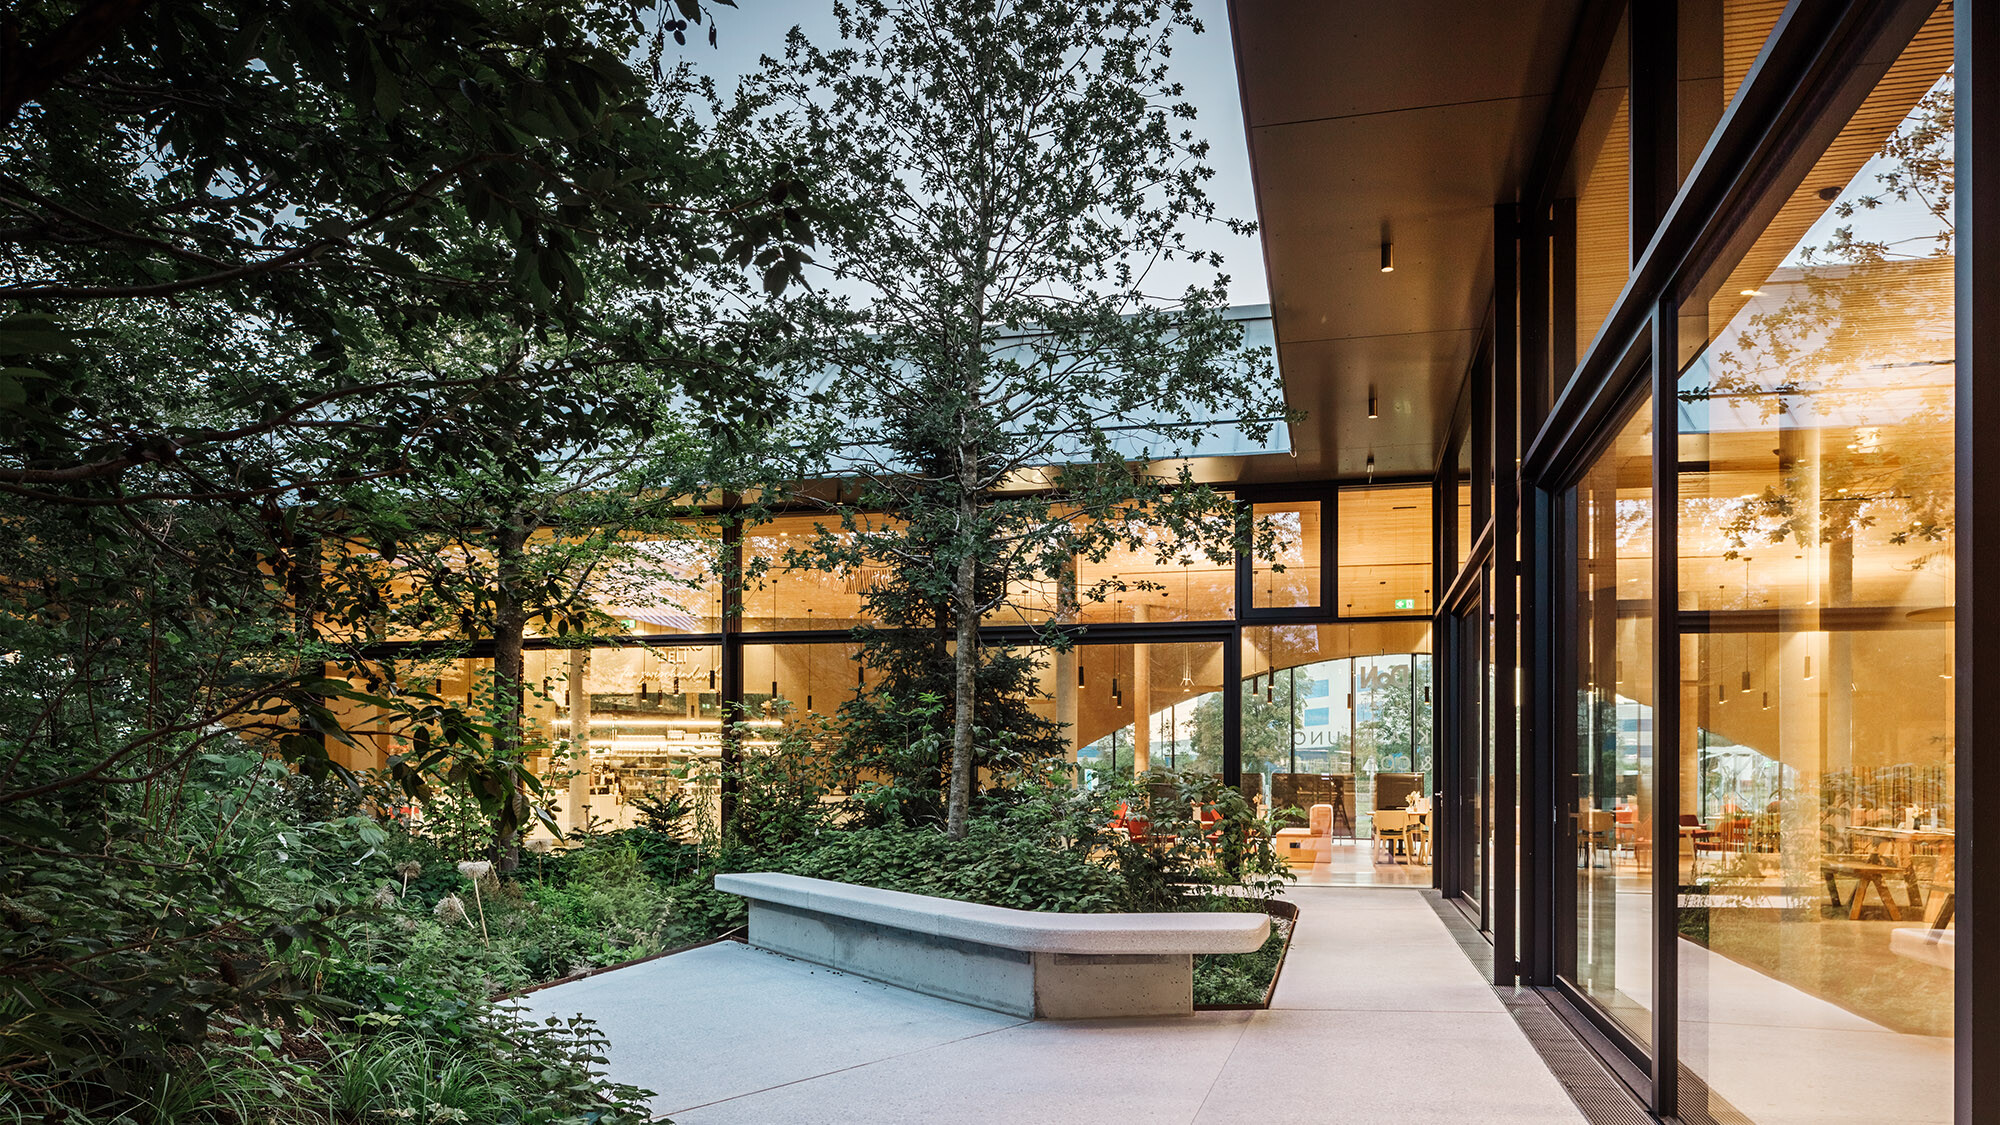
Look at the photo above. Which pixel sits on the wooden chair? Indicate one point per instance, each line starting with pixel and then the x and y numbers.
pixel 1593 831
pixel 1392 829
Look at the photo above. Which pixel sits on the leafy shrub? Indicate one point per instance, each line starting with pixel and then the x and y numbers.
pixel 1240 978
pixel 130 938
pixel 230 965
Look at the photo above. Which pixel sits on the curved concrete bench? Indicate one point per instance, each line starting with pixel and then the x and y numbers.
pixel 1022 962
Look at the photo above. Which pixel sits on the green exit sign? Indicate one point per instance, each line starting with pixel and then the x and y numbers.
pixel 1406 603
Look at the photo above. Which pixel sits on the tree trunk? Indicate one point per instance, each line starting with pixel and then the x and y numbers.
pixel 510 627
pixel 965 663
pixel 579 739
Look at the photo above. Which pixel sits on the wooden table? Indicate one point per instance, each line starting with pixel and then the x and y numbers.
pixel 1417 837
pixel 1905 841
pixel 1901 850
pixel 1866 875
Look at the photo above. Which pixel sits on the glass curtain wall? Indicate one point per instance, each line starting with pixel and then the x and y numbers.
pixel 1469 783
pixel 1290 579
pixel 1383 552
pixel 1606 810
pixel 1340 716
pixel 1816 748
pixel 633 719
pixel 1130 708
pixel 613 728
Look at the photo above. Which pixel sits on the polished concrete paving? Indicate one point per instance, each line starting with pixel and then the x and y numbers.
pixel 1364 863
pixel 1771 1052
pixel 1378 1017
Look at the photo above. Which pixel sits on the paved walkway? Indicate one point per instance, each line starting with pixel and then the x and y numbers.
pixel 1378 1018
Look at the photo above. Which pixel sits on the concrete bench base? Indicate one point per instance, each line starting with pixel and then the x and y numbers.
pixel 1056 986
pixel 1035 966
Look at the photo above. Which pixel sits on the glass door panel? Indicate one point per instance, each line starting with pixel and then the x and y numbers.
pixel 1607 812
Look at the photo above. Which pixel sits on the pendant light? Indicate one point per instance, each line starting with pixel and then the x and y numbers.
pixel 645 691
pixel 1746 633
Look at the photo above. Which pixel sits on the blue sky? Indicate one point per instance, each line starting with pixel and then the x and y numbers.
pixel 1204 64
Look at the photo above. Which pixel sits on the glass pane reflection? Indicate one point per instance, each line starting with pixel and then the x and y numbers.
pixel 1609 808
pixel 1816 749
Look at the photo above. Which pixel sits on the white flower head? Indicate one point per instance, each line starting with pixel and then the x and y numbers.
pixel 450 910
pixel 475 868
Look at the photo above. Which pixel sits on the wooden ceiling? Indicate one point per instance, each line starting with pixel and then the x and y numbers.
pixel 1372 122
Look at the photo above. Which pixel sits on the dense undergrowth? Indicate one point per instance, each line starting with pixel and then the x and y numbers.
pixel 274 953
pixel 1241 978
pixel 266 952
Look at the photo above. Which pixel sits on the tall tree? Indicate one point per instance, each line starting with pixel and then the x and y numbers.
pixel 1002 387
pixel 239 238
pixel 544 528
pixel 235 237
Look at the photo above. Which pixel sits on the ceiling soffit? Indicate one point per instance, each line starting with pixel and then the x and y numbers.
pixel 1376 122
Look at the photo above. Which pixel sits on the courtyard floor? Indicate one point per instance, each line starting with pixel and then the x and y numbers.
pixel 1378 1017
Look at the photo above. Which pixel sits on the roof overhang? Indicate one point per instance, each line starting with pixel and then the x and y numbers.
pixel 1370 123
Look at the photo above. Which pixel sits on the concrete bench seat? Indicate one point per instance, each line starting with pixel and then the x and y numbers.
pixel 1022 962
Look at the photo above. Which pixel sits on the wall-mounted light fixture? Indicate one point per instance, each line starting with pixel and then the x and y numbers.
pixel 1372 412
pixel 1371 466
pixel 1388 256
